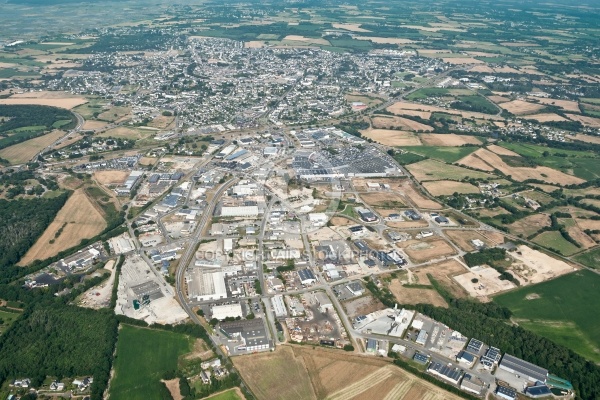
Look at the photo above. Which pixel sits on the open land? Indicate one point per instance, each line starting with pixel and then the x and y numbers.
pixel 427 249
pixel 431 170
pixel 447 188
pixel 392 138
pixel 25 151
pixel 443 272
pixel 411 295
pixel 78 219
pixel 450 139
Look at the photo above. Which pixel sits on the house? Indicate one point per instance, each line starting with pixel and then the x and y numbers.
pixel 57 386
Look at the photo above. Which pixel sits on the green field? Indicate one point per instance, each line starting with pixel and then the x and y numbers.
pixel 230 394
pixel 565 311
pixel 143 355
pixel 407 158
pixel 6 319
pixel 442 153
pixel 590 258
pixel 553 240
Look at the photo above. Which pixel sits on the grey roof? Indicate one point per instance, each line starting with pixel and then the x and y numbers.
pixel 474 346
pixel 506 391
pixel 444 370
pixel 306 274
pixel 465 355
pixel 524 368
pixel 421 358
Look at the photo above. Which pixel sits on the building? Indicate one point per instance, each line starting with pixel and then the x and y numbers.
pixel 421 358
pixel 130 183
pixel 422 337
pixel 307 277
pixel 474 346
pixel 366 214
pixel 251 334
pixel 323 301
pixel 278 306
pixel 507 393
pixel 538 391
pixel 318 219
pixel 239 211
pixel 355 288
pixel 472 384
pixel 223 311
pixel 491 357
pixel 446 372
pixel 523 368
pixel 371 345
pixel 465 357
pixel 206 285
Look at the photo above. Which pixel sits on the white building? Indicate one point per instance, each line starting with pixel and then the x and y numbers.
pixel 278 306
pixel 239 211
pixel 223 311
pixel 318 219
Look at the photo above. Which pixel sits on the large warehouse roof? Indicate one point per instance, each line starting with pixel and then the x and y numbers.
pixel 524 368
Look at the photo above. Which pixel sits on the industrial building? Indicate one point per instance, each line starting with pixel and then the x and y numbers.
pixel 465 357
pixel 366 214
pixel 239 211
pixel 538 391
pixel 323 301
pixel 278 306
pixel 133 179
pixel 445 372
pixel 506 393
pixel 206 285
pixel 421 358
pixel 223 311
pixel 422 337
pixel 523 368
pixel 474 346
pixel 472 384
pixel 307 277
pixel 251 333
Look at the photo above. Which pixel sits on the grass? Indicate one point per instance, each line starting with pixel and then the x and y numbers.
pixel 349 211
pixel 590 258
pixel 230 394
pixel 442 153
pixel 426 93
pixel 143 356
pixel 565 307
pixel 553 240
pixel 407 158
pixel 7 319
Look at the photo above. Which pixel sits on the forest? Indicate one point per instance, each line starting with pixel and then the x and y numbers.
pixel 22 227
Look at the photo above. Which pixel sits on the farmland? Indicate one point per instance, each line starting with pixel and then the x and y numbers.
pixel 25 151
pixel 143 356
pixel 554 240
pixel 442 153
pixel 448 188
pixel 431 170
pixel 77 220
pixel 305 373
pixel 590 258
pixel 559 310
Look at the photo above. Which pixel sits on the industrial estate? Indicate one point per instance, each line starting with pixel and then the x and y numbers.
pixel 300 201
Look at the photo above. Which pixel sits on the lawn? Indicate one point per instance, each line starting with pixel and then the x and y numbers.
pixel 590 258
pixel 553 240
pixel 564 311
pixel 230 394
pixel 143 355
pixel 442 153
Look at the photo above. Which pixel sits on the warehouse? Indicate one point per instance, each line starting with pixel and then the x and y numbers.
pixel 422 337
pixel 206 285
pixel 523 368
pixel 323 301
pixel 506 393
pixel 474 346
pixel 223 311
pixel 445 372
pixel 251 333
pixel 306 276
pixel 278 306
pixel 465 357
pixel 366 214
pixel 239 211
pixel 472 384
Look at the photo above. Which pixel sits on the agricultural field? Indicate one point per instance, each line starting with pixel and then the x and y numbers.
pixel 520 107
pixel 317 373
pixel 448 188
pixel 427 249
pixel 45 99
pixel 431 170
pixel 529 225
pixel 407 294
pixel 78 219
pixel 231 394
pixel 449 139
pixel 387 121
pixel 143 356
pixel 383 199
pixel 590 258
pixel 22 152
pixel 559 310
pixel 555 241
pixel 442 153
pixel 392 138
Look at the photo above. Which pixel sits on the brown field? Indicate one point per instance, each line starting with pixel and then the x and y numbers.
pixel 392 137
pixel 492 212
pixel 116 114
pixel 406 224
pixel 173 386
pixel 123 133
pixel 383 199
pixel 111 177
pixel 463 238
pixel 415 113
pixel 161 122
pixel 446 188
pixel 407 295
pixel 93 125
pixel 399 122
pixel 254 44
pixel 401 107
pixel 450 140
pixel 443 273
pixel 520 107
pixel 83 221
pixel 148 160
pixel 474 161
pixel 25 151
pixel 586 121
pixel 60 103
pixel 385 40
pixel 529 225
pixel 417 198
pixel 566 105
pixel 587 138
pixel 498 99
pixel 488 284
pixel 548 117
pixel 482 68
pixel 350 27
pixel 545 188
pixel 518 173
pixel 532 266
pixel 300 372
pixel 502 151
pixel 427 249
pixel 303 39
pixel 580 237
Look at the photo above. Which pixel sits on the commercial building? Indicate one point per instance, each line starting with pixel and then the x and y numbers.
pixel 523 368
pixel 206 285
pixel 366 214
pixel 355 288
pixel 472 384
pixel 506 393
pixel 323 301
pixel 538 391
pixel 250 334
pixel 306 276
pixel 223 311
pixel 278 306
pixel 465 357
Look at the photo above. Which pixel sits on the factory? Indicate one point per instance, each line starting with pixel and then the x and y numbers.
pixel 239 211
pixel 278 306
pixel 206 285
pixel 366 214
pixel 133 179
pixel 445 372
pixel 223 311
pixel 523 368
pixel 306 276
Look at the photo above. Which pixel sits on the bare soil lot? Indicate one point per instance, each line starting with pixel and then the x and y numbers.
pixel 417 198
pixel 362 306
pixel 566 105
pixel 520 107
pixel 25 151
pixel 487 284
pixel 532 266
pixel 529 225
pixel 447 188
pixel 450 140
pixel 399 122
pixel 547 117
pixel 124 133
pixel 383 199
pixel 443 272
pixel 78 219
pixel 427 249
pixel 400 108
pixel 408 295
pixel 392 138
